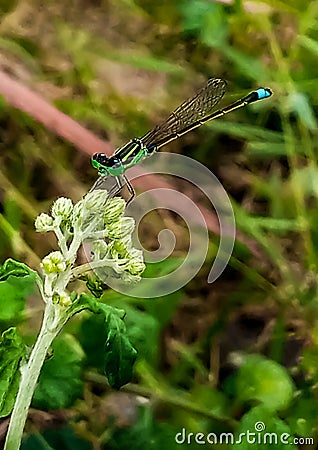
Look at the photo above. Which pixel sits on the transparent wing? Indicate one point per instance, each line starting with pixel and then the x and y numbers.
pixel 187 114
pixel 115 186
pixel 109 183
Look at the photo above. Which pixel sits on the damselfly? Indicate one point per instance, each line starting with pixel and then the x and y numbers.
pixel 189 115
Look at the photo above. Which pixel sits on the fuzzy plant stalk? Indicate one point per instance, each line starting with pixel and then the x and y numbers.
pixel 101 223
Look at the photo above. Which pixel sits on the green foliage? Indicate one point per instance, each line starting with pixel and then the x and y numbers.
pixel 60 380
pixel 16 282
pixel 118 353
pixel 7 5
pixel 12 351
pixel 274 429
pixel 119 68
pixel 264 381
pixel 56 439
pixel 302 417
pixel 147 434
pixel 206 21
pixel 142 332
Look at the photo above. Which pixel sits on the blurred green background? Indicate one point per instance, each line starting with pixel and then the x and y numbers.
pixel 212 358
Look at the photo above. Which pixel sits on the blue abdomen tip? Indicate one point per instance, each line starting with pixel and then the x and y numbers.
pixel 263 93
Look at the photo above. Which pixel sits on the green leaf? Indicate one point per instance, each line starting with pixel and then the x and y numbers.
pixel 16 268
pixel 248 132
pixel 309 362
pixel 93 335
pixel 18 48
pixel 205 20
pixel 60 379
pixel 12 212
pixel 300 104
pixel 142 332
pixel 265 381
pixel 16 282
pixel 147 434
pixel 249 66
pixel 310 44
pixel 36 442
pixel 119 354
pixel 56 439
pixel 302 417
pixel 210 398
pixel 12 350
pixel 7 6
pixel 261 429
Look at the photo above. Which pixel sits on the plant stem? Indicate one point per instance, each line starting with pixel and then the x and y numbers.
pixel 53 320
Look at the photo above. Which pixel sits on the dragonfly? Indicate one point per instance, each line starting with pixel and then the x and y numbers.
pixel 191 114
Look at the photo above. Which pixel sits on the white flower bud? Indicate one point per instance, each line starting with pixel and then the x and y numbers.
pixel 118 249
pixel 129 278
pixel 135 267
pixel 62 208
pixel 99 249
pixel 53 263
pixel 95 201
pixel 114 209
pixel 65 300
pixel 43 223
pixel 121 228
pixel 78 209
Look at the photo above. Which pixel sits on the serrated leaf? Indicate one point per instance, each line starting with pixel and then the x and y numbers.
pixel 16 282
pixel 60 381
pixel 119 354
pixel 265 381
pixel 12 350
pixel 142 331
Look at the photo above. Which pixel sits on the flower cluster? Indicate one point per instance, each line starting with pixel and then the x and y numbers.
pixel 98 222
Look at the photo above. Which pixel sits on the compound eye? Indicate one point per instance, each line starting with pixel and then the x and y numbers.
pixel 114 162
pixel 101 158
